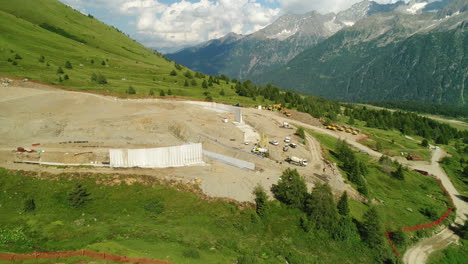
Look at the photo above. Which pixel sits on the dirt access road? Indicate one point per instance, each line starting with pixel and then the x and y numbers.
pixel 420 252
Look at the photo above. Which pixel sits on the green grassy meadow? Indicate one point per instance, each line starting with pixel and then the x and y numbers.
pixel 394 196
pixel 156 220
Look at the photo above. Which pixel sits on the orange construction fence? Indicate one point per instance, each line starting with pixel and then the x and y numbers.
pixel 79 253
pixel 425 225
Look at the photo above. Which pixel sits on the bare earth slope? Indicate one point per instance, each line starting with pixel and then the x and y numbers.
pixel 31 113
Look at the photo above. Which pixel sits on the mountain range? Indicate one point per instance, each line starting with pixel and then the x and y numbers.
pixel 371 52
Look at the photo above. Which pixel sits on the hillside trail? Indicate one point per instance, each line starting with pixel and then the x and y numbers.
pixel 419 253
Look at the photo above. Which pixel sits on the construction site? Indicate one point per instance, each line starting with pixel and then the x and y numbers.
pixel 226 150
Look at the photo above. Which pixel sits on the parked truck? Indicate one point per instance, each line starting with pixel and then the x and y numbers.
pixel 297 161
pixel 260 151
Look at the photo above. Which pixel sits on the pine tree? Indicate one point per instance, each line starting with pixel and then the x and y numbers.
pixel 372 228
pixel 79 196
pixel 29 205
pixel 162 93
pixel 41 59
pixel 261 199
pixel 94 77
pixel 151 92
pixel 193 82
pixel 425 143
pixel 103 63
pixel 101 79
pixel 68 65
pixel 59 70
pixel 65 77
pixel 321 208
pixel 343 206
pixel 169 92
pixel 131 90
pixel 399 173
pixel 18 57
pixel 222 93
pixel 173 73
pixel 186 83
pixel 204 84
pixel 290 189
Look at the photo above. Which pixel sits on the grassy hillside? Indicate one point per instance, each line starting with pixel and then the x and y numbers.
pixel 173 223
pixel 56 32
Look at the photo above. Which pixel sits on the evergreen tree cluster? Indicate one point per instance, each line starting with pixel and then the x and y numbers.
pixel 407 123
pixel 315 106
pixel 355 169
pixel 321 213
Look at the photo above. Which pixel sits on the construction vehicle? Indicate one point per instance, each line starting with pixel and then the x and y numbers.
pixel 297 161
pixel 286 113
pixel 277 107
pixel 260 151
pixel 286 125
pixel 349 130
pixel 341 128
pixel 355 132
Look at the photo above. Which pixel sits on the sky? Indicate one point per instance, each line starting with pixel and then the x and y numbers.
pixel 168 25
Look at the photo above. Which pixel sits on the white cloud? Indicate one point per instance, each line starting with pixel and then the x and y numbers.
pixel 186 23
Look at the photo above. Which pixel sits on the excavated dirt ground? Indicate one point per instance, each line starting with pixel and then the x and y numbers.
pixel 32 113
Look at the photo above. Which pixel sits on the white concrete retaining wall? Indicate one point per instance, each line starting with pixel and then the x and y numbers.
pixel 178 156
pixel 229 160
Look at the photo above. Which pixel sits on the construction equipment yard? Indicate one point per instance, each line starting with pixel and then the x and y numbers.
pixel 58 127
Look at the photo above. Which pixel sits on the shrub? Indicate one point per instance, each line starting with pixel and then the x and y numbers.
pixel 177 66
pixel 246 259
pixel 68 65
pixel 191 253
pixel 154 206
pixel 261 201
pixel 429 213
pixel 131 90
pixel 300 132
pixel 41 59
pixel 173 73
pixel 29 205
pixel 101 79
pixel 151 92
pixel 18 57
pixel 79 196
pixel 188 74
pixel 424 143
